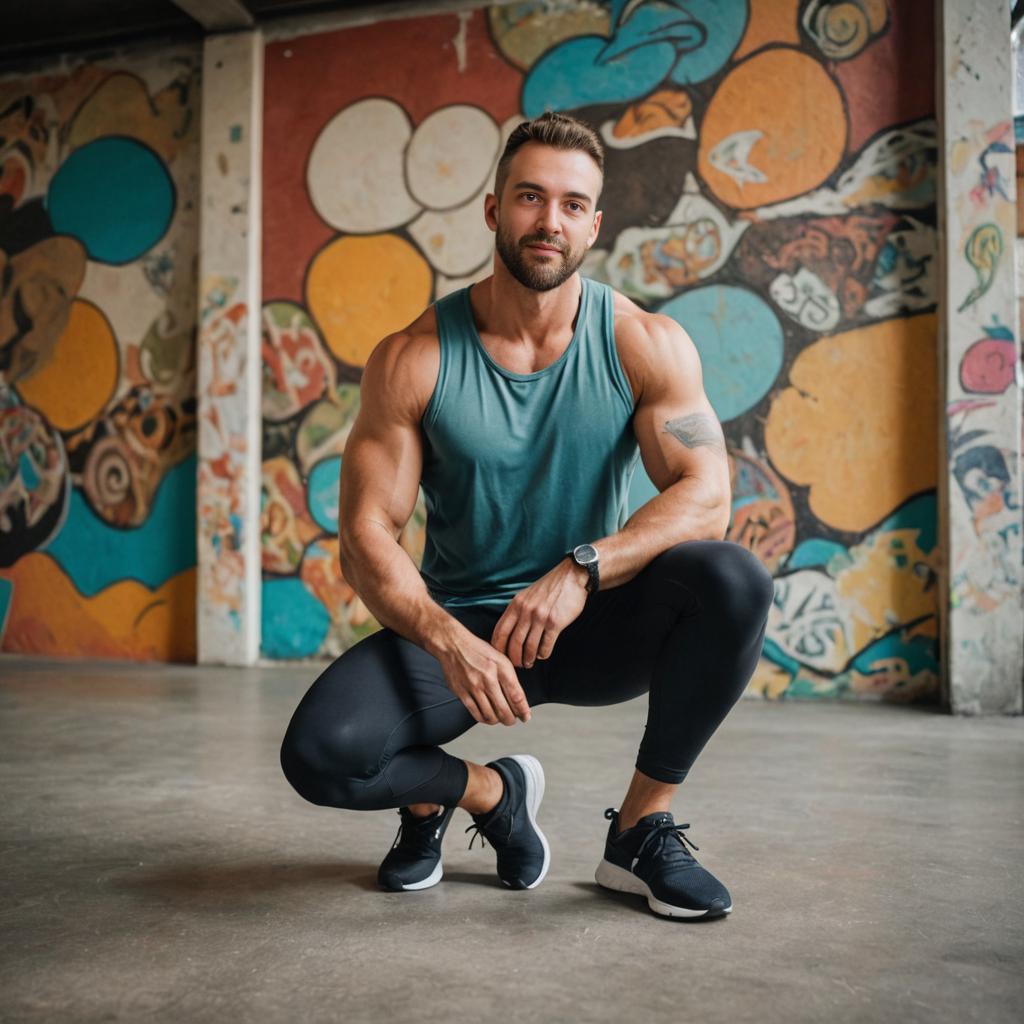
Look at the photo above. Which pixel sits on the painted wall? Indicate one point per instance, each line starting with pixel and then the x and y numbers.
pixel 229 367
pixel 98 186
pixel 1018 138
pixel 982 372
pixel 770 183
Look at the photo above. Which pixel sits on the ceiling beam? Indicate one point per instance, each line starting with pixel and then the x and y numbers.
pixel 218 15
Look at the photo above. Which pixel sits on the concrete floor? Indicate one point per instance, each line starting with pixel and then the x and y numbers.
pixel 159 868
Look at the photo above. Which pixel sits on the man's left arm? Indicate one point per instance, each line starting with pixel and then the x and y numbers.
pixel 683 450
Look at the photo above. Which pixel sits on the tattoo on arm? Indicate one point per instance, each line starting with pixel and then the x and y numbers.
pixel 696 430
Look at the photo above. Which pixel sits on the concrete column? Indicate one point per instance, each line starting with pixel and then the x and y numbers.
pixel 228 535
pixel 980 505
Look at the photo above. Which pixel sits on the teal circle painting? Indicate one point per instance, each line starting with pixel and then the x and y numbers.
pixel 740 342
pixel 115 196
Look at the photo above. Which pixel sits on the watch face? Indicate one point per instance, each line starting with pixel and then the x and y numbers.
pixel 585 553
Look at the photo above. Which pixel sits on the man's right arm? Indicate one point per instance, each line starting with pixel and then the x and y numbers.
pixel 380 477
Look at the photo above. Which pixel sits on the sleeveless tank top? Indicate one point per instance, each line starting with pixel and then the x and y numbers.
pixel 518 468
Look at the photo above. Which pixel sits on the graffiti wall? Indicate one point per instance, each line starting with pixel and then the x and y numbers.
pixel 983 430
pixel 770 184
pixel 98 186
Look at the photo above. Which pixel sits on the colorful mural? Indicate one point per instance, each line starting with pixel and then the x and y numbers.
pixel 98 185
pixel 767 185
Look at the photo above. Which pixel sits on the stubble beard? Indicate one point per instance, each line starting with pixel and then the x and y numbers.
pixel 538 277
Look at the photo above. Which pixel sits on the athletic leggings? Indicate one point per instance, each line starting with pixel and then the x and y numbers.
pixel 688 629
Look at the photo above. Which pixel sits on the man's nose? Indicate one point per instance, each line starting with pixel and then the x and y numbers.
pixel 548 219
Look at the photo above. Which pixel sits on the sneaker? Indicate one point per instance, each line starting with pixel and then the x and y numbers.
pixel 651 859
pixel 414 860
pixel 511 826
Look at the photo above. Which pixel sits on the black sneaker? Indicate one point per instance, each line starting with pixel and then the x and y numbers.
pixel 414 860
pixel 511 826
pixel 651 859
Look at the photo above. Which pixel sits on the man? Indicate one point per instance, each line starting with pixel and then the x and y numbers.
pixel 520 404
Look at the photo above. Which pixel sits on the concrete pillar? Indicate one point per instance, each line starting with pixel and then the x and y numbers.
pixel 228 486
pixel 980 504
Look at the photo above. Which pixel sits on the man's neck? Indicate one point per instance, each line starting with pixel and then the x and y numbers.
pixel 509 310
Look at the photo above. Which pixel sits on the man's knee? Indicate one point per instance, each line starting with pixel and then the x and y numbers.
pixel 729 578
pixel 328 769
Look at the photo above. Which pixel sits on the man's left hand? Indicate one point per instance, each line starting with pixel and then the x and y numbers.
pixel 534 618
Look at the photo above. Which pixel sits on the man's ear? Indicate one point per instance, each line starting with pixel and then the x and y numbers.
pixel 491 211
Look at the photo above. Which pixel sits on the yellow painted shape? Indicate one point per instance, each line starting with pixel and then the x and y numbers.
pixel 123 105
pixel 362 287
pixel 771 21
pixel 857 423
pixel 887 584
pixel 78 380
pixel 523 32
pixel 769 680
pixel 666 108
pixel 48 615
pixel 790 99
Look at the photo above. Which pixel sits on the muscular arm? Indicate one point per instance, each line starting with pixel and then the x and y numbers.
pixel 682 448
pixel 380 475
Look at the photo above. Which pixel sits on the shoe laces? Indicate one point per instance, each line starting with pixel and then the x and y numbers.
pixel 659 835
pixel 482 829
pixel 420 834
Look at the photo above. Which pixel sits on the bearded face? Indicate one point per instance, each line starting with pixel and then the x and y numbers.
pixel 544 214
pixel 533 268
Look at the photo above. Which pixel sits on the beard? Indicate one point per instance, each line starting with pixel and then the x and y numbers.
pixel 528 270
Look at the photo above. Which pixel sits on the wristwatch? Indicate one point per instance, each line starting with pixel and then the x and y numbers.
pixel 586 555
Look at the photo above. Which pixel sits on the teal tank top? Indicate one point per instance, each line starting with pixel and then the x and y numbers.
pixel 518 468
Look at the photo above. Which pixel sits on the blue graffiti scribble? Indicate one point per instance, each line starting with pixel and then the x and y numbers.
pixel 682 41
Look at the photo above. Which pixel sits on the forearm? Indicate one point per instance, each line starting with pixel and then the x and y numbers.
pixel 690 509
pixel 389 584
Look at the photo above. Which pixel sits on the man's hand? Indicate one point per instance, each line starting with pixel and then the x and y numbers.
pixel 485 681
pixel 534 618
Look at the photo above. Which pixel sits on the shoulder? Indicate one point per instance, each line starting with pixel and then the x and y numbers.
pixel 650 345
pixel 402 368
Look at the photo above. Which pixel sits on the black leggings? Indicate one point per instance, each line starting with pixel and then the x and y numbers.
pixel 689 628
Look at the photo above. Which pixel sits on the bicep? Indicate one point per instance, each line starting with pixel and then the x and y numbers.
pixel 676 427
pixel 383 458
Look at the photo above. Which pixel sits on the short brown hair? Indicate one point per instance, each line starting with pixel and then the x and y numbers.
pixel 550 129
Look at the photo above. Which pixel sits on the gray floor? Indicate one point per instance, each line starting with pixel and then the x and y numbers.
pixel 159 868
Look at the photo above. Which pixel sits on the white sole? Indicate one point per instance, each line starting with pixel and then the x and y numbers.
pixel 432 879
pixel 534 794
pixel 611 876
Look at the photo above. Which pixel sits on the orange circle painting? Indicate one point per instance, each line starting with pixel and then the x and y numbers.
pixel 775 128
pixel 362 287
